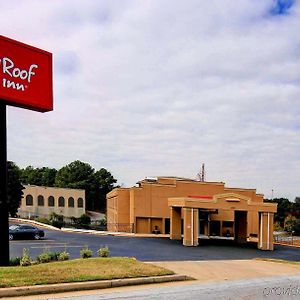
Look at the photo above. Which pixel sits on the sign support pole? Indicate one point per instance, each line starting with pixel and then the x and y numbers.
pixel 4 224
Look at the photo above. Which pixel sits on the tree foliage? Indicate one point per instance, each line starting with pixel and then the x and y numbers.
pixel 38 176
pixel 296 208
pixel 74 175
pixel 105 182
pixel 284 207
pixel 288 213
pixel 81 175
pixel 14 188
pixel 292 224
pixel 289 223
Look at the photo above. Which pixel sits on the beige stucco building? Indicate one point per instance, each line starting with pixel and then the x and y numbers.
pixel 41 201
pixel 188 209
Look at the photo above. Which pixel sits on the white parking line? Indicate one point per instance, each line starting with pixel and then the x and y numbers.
pixel 32 242
pixel 55 246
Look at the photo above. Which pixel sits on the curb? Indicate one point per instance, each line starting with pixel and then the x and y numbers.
pixel 35 223
pixel 89 285
pixel 88 231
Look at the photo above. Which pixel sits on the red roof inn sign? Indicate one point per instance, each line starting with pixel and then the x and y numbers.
pixel 25 81
pixel 25 76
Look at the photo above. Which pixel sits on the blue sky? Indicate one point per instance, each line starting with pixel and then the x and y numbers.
pixel 281 7
pixel 147 88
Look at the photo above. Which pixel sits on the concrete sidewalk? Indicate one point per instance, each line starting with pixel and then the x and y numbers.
pixel 222 270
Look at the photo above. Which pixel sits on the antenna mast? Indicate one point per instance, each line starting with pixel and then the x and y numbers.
pixel 201 174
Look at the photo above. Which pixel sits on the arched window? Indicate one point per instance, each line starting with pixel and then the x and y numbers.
pixel 71 202
pixel 80 202
pixel 61 201
pixel 40 200
pixel 51 201
pixel 29 200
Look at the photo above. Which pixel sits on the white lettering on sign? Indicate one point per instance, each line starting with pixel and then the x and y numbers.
pixel 8 68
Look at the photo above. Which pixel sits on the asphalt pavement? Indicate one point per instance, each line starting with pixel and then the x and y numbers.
pixel 147 249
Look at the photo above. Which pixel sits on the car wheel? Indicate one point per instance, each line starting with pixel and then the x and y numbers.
pixel 11 237
pixel 37 236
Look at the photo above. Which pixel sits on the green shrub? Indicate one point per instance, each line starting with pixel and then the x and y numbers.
pixel 15 261
pixel 84 220
pixel 86 252
pixel 58 224
pixel 63 256
pixel 103 252
pixel 25 260
pixel 103 221
pixel 54 255
pixel 43 220
pixel 57 220
pixel 44 258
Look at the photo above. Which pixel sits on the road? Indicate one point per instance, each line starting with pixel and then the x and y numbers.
pixel 262 288
pixel 145 249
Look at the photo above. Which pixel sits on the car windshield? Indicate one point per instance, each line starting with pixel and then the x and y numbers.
pixel 13 227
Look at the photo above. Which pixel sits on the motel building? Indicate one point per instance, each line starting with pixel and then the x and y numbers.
pixel 41 201
pixel 189 210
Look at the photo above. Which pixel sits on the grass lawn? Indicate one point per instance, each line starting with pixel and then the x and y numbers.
pixel 78 270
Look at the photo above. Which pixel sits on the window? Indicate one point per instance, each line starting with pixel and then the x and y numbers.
pixel 71 202
pixel 40 200
pixel 227 223
pixel 80 202
pixel 29 200
pixel 51 201
pixel 61 202
pixel 26 227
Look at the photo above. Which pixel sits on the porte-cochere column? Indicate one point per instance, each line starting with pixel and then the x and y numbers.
pixel 265 234
pixel 175 223
pixel 190 226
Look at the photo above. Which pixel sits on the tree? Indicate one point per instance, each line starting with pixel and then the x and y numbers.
pixel 77 174
pixel 38 176
pixel 284 208
pixel 290 223
pixel 296 207
pixel 80 175
pixel 105 183
pixel 14 188
pixel 48 176
pixel 297 227
pixel 28 176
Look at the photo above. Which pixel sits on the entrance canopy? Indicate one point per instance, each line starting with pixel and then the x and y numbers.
pixel 228 201
pixel 233 207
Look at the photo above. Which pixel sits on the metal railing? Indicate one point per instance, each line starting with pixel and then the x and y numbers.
pixel 286 238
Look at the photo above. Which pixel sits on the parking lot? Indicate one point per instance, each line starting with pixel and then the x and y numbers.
pixel 146 249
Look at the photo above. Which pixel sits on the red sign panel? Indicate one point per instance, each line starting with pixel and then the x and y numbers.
pixel 25 76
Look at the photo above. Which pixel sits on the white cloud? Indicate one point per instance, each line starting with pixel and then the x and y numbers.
pixel 157 87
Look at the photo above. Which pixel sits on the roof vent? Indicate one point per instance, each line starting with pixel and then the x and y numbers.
pixel 151 179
